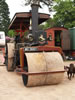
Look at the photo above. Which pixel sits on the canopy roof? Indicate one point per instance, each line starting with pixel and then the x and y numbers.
pixel 22 20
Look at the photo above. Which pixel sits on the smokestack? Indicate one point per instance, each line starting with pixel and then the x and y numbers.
pixel 35 21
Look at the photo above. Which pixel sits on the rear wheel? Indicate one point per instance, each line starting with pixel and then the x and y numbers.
pixel 9 58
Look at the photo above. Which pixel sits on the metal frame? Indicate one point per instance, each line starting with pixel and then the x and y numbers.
pixel 21 71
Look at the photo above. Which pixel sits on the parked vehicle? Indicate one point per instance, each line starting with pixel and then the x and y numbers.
pixel 2 39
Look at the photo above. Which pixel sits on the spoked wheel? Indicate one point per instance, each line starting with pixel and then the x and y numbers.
pixel 9 58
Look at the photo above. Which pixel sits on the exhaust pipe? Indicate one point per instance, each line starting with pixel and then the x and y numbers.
pixel 35 21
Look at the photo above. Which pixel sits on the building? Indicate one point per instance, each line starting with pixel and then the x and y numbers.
pixel 59 36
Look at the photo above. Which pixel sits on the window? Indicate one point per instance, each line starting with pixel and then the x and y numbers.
pixel 50 37
pixel 1 36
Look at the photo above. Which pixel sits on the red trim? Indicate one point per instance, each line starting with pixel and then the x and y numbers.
pixel 50 48
pixel 3 51
pixel 56 28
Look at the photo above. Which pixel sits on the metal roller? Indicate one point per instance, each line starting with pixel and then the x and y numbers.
pixel 54 64
pixel 9 56
pixel 43 62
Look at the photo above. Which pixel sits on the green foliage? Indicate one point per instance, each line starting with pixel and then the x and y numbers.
pixel 64 16
pixel 65 13
pixel 49 3
pixel 11 33
pixel 49 23
pixel 4 16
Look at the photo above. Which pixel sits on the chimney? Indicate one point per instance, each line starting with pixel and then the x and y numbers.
pixel 35 21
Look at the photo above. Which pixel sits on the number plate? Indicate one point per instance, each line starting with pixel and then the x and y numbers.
pixel 30 49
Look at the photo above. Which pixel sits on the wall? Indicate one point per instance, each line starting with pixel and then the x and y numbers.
pixel 52 31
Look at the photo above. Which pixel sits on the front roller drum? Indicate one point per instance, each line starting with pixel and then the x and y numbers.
pixel 40 65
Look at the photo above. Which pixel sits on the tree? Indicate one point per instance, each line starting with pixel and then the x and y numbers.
pixel 65 13
pixel 11 33
pixel 4 16
pixel 48 3
pixel 49 23
pixel 45 2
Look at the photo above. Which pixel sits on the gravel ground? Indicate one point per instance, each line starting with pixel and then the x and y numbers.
pixel 12 88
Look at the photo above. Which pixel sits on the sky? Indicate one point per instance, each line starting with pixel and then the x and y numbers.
pixel 18 6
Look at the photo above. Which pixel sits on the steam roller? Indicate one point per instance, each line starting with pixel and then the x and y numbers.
pixel 31 55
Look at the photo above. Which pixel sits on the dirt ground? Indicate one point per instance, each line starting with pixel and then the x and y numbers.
pixel 12 88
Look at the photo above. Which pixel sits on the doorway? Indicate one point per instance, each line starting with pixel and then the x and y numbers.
pixel 58 38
